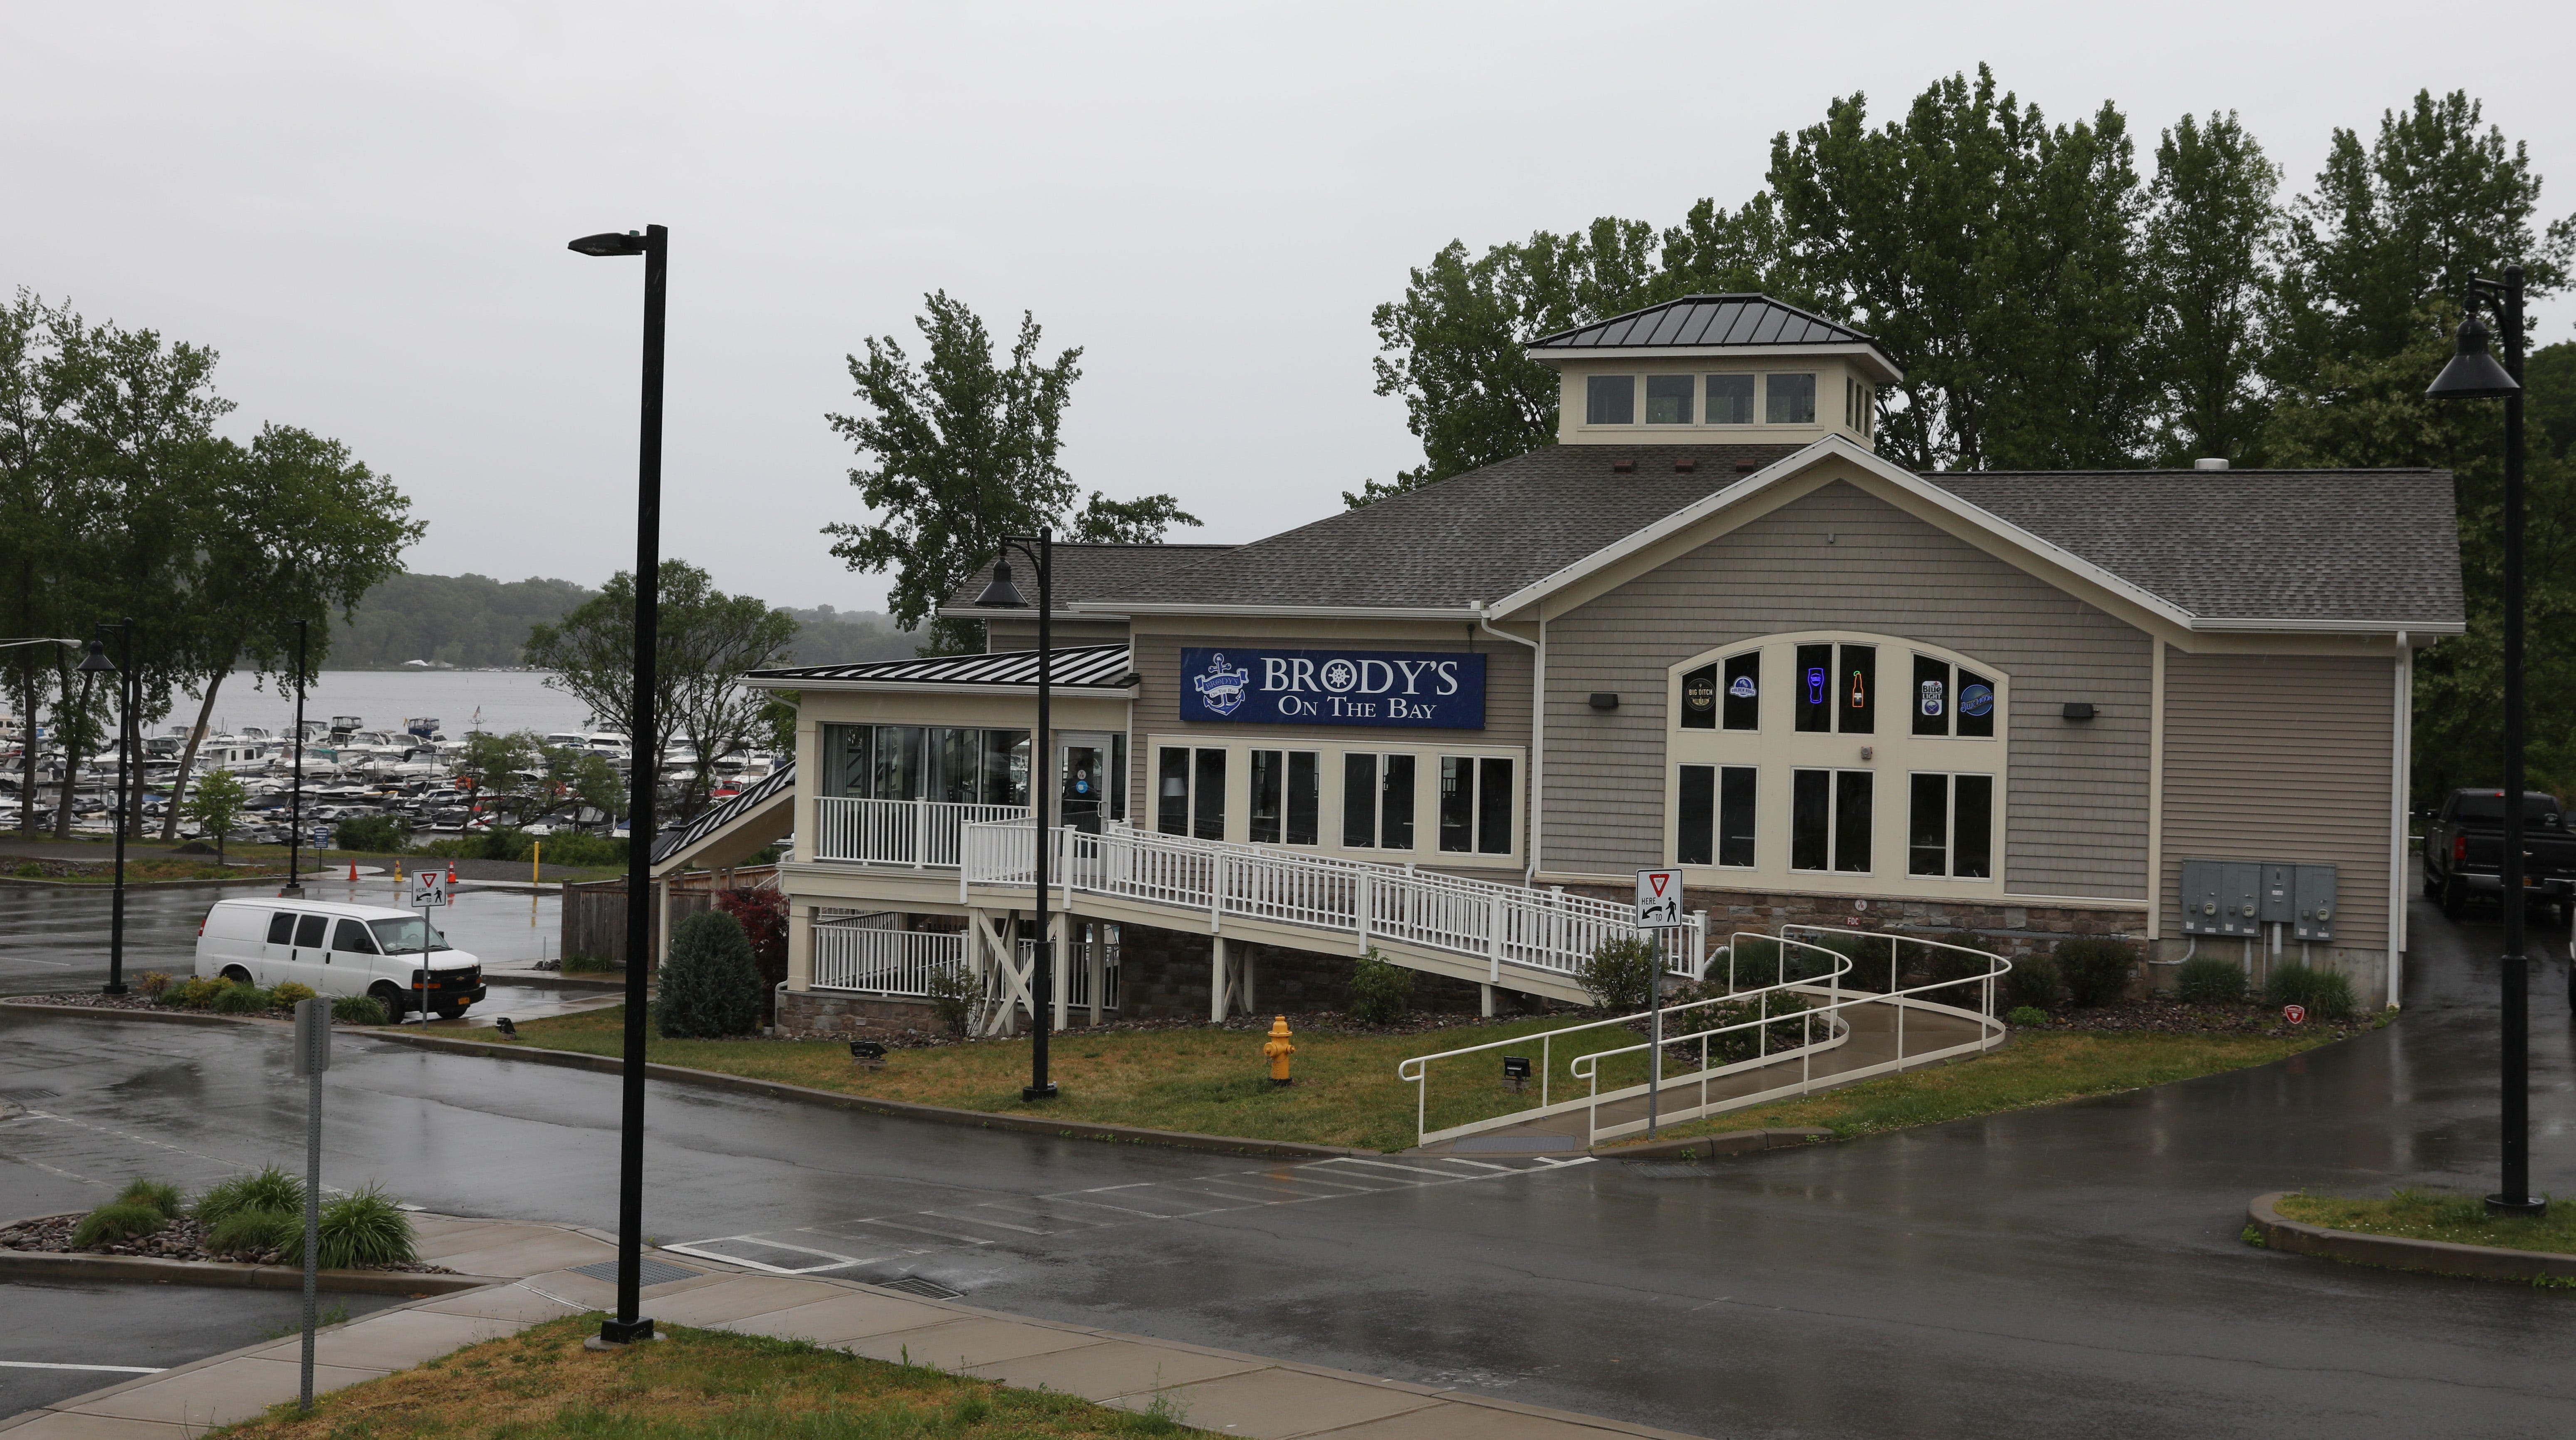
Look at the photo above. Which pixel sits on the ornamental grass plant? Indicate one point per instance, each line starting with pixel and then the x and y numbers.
pixel 119 1221
pixel 268 1189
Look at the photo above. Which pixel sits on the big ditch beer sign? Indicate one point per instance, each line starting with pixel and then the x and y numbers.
pixel 1441 690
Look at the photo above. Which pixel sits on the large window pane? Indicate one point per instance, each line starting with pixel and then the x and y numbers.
pixel 1395 829
pixel 1927 827
pixel 1735 816
pixel 899 762
pixel 1266 782
pixel 1695 816
pixel 1305 799
pixel 1610 400
pixel 1789 399
pixel 1457 803
pixel 1730 400
pixel 1117 777
pixel 1976 705
pixel 1851 820
pixel 1359 801
pixel 1005 767
pixel 1815 706
pixel 1810 811
pixel 1699 699
pixel 1973 828
pixel 1856 690
pixel 1931 697
pixel 1494 806
pixel 1744 691
pixel 845 759
pixel 1668 399
pixel 1172 792
pixel 1207 795
pixel 958 756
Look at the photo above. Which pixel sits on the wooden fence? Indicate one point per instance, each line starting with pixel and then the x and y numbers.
pixel 594 913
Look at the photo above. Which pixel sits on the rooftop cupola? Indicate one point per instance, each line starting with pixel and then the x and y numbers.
pixel 1715 369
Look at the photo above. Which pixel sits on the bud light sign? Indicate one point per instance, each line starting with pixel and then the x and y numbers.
pixel 1443 690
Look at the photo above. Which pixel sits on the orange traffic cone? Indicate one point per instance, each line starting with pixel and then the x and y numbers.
pixel 451 877
pixel 353 872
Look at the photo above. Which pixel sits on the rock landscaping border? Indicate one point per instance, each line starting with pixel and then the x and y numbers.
pixel 44 1265
pixel 2398 1252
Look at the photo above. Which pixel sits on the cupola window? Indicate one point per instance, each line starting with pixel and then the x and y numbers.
pixel 1668 399
pixel 1791 399
pixel 1610 400
pixel 1730 400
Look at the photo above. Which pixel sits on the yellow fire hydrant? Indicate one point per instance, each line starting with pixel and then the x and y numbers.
pixel 1279 1047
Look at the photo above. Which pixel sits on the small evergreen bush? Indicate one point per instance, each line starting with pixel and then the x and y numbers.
pixel 2096 971
pixel 954 989
pixel 1961 975
pixel 159 1194
pixel 117 1222
pixel 1381 990
pixel 2023 1017
pixel 290 994
pixel 270 1189
pixel 2032 983
pixel 2208 980
pixel 711 984
pixel 255 1232
pixel 364 1229
pixel 1620 973
pixel 240 1000
pixel 1756 962
pixel 2326 993
pixel 358 1009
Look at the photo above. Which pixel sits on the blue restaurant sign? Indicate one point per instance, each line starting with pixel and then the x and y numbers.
pixel 1442 690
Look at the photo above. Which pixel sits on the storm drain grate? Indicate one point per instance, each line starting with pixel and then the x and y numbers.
pixel 926 1289
pixel 647 1272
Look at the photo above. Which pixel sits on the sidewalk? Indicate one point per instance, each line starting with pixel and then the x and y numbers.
pixel 543 1272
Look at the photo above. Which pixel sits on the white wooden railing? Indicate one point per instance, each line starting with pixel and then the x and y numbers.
pixel 1397 904
pixel 915 834
pixel 883 962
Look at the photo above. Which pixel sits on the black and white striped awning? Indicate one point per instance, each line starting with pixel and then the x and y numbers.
pixel 1080 667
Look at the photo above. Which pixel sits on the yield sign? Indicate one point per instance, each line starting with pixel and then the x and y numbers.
pixel 1659 900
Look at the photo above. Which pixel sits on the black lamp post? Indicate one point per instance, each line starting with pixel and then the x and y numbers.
pixel 295 798
pixel 96 662
pixel 655 246
pixel 2474 375
pixel 1003 595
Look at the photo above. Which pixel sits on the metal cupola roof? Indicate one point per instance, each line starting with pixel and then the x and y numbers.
pixel 1712 325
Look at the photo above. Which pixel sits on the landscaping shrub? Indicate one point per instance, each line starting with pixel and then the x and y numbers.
pixel 1757 963
pixel 117 1222
pixel 365 1229
pixel 240 1000
pixel 372 835
pixel 161 1195
pixel 270 1189
pixel 1682 1031
pixel 288 995
pixel 29 870
pixel 762 914
pixel 2022 1017
pixel 2032 983
pixel 194 993
pixel 513 844
pixel 710 984
pixel 251 1232
pixel 152 984
pixel 1945 966
pixel 1381 991
pixel 2208 980
pixel 2326 993
pixel 1617 975
pixel 954 989
pixel 2096 971
pixel 359 1010
pixel 587 965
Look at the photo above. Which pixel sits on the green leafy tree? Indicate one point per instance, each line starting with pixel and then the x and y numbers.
pixel 958 452
pixel 2211 226
pixel 216 806
pixel 494 769
pixel 706 640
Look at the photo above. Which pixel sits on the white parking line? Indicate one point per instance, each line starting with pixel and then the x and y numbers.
pixel 50 1365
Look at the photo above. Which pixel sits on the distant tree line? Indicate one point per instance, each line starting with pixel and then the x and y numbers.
pixel 2054 305
pixel 474 621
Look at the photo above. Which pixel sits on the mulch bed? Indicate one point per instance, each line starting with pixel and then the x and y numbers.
pixel 1326 1022
pixel 2172 1017
pixel 181 1240
pixel 137 1000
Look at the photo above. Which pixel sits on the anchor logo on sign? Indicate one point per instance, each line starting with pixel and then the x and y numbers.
pixel 1220 689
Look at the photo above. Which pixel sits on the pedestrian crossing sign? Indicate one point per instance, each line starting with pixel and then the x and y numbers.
pixel 1659 900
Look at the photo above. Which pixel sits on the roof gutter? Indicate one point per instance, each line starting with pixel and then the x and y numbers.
pixel 1116 690
pixel 1538 726
pixel 1470 611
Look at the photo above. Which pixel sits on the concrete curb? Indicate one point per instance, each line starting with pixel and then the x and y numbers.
pixel 2397 1252
pixel 146 1270
pixel 1709 1147
pixel 109 884
pixel 162 1017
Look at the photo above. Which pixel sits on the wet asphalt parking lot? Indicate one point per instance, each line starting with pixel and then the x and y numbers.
pixel 2072 1270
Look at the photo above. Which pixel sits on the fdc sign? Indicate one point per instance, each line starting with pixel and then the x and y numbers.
pixel 1442 690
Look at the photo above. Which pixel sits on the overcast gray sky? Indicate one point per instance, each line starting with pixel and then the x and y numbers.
pixel 364 207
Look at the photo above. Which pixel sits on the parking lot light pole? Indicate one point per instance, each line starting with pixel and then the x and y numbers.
pixel 96 662
pixel 1003 595
pixel 2473 374
pixel 654 244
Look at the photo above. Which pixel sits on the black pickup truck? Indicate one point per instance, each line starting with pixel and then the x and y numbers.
pixel 2464 851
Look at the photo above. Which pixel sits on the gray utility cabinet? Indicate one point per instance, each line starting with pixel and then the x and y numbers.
pixel 2239 897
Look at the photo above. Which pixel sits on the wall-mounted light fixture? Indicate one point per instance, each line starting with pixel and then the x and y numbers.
pixel 1605 700
pixel 2077 710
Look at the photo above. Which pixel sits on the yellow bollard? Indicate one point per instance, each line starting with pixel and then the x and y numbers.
pixel 1279 1047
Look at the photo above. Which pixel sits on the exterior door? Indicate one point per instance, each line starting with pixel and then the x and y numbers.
pixel 304 953
pixel 1082 779
pixel 350 962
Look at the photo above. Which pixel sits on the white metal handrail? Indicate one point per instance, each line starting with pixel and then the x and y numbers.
pixel 918 834
pixel 876 961
pixel 1473 919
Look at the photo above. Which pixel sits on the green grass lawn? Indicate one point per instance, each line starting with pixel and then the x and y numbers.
pixel 2436 1215
pixel 701 1385
pixel 1216 1081
pixel 2039 1067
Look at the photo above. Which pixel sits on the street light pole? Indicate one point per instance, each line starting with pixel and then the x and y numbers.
pixel 96 662
pixel 295 802
pixel 655 246
pixel 1004 595
pixel 2474 375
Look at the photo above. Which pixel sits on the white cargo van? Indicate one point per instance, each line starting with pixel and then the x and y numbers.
pixel 337 950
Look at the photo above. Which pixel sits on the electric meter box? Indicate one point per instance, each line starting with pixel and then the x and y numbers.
pixel 2222 897
pixel 2313 889
pixel 2276 901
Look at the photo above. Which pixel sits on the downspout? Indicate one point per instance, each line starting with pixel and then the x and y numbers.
pixel 1538 725
pixel 2402 742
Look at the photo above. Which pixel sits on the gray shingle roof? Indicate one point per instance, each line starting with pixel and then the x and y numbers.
pixel 1706 320
pixel 2319 545
pixel 1096 666
pixel 1475 537
pixel 1083 571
